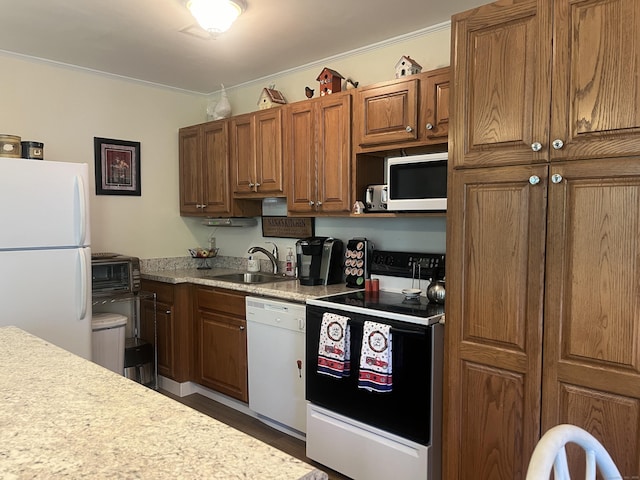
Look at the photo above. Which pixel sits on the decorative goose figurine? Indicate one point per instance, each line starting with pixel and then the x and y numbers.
pixel 223 108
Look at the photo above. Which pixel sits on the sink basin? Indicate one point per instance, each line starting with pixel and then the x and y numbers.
pixel 251 278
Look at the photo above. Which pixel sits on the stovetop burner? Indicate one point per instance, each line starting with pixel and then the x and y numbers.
pixel 384 304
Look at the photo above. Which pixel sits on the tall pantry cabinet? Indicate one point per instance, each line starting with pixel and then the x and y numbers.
pixel 543 233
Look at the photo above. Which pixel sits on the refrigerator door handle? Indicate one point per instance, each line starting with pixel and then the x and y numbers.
pixel 84 290
pixel 81 221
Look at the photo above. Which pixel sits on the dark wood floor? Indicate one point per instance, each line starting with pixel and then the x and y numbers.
pixel 252 426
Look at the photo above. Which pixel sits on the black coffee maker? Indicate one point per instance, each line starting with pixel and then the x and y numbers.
pixel 319 260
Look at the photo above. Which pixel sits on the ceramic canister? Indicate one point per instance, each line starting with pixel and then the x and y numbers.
pixel 9 146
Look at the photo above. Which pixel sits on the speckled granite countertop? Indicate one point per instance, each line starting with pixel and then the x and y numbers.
pixel 64 417
pixel 290 290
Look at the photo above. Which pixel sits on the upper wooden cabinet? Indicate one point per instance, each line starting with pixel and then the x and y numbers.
pixel 204 173
pixel 256 154
pixel 536 103
pixel 408 112
pixel 318 154
pixel 596 80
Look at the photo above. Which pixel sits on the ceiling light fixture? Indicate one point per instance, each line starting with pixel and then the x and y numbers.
pixel 215 16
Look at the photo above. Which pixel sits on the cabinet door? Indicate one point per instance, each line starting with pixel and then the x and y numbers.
pixel 596 79
pixel 495 274
pixel 268 147
pixel 592 305
pixel 174 331
pixel 503 84
pixel 190 159
pixel 388 113
pixel 223 353
pixel 334 154
pixel 434 109
pixel 243 154
pixel 215 169
pixel 164 334
pixel 300 156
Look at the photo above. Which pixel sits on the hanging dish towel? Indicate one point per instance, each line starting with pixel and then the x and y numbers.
pixel 334 355
pixel 375 358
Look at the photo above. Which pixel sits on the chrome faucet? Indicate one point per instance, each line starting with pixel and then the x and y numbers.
pixel 272 256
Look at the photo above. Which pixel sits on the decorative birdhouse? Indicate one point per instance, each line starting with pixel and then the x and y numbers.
pixel 330 81
pixel 270 98
pixel 407 66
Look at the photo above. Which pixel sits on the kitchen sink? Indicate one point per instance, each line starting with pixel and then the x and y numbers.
pixel 250 278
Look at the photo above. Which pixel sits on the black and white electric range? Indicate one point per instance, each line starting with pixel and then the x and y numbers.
pixel 369 434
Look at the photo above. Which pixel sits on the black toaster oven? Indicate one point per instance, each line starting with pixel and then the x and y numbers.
pixel 113 274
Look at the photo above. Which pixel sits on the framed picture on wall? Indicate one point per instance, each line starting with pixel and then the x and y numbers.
pixel 117 167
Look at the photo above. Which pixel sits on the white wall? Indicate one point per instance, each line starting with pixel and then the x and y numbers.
pixel 66 107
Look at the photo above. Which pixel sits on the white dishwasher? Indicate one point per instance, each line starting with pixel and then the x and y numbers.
pixel 275 349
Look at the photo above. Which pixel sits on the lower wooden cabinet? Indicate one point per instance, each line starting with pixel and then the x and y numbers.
pixel 173 327
pixel 542 322
pixel 221 341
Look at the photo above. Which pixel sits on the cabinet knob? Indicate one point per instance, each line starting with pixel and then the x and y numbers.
pixel 319 203
pixel 557 144
pixel 556 178
pixel 257 184
pixel 429 126
pixel 534 179
pixel 409 129
pixel 241 327
pixel 311 202
pixel 536 146
pixel 251 185
pixel 168 312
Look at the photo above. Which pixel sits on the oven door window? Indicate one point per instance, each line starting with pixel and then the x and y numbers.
pixel 110 277
pixel 406 410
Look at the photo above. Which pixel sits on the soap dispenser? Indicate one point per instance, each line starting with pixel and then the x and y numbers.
pixel 290 270
pixel 253 265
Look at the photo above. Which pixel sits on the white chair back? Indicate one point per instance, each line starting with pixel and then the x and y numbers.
pixel 550 452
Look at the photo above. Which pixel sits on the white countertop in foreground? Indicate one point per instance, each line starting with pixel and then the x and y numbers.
pixel 287 290
pixel 64 417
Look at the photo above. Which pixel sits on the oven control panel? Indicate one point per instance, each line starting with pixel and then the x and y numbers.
pixel 408 264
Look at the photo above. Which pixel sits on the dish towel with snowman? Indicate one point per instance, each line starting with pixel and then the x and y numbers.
pixel 334 352
pixel 375 358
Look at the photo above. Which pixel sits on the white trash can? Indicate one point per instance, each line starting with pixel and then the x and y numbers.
pixel 107 340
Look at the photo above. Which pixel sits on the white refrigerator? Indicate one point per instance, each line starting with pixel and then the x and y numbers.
pixel 45 255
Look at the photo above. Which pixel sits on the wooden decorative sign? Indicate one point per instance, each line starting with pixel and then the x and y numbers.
pixel 287 227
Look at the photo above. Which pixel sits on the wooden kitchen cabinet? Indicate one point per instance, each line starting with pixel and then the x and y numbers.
pixel 542 326
pixel 318 154
pixel 409 112
pixel 495 273
pixel 173 327
pixel 256 154
pixel 578 100
pixel 221 341
pixel 205 173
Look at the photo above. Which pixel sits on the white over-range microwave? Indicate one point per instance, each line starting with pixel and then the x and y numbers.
pixel 417 182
